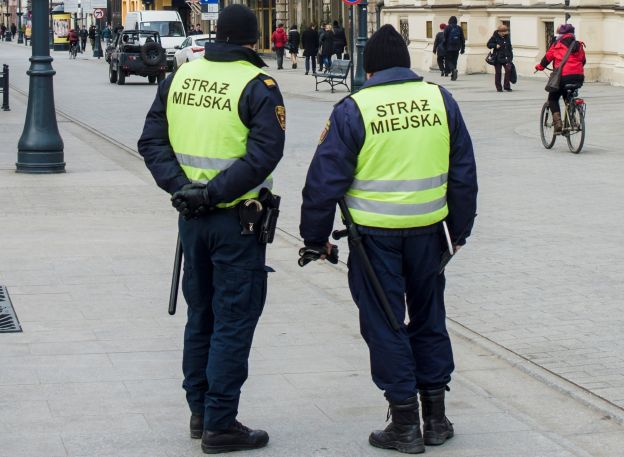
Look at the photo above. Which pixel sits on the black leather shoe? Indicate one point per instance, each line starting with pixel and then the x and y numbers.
pixel 436 426
pixel 403 433
pixel 197 426
pixel 236 438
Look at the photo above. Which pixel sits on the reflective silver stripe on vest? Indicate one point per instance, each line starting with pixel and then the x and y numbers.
pixel 205 163
pixel 395 209
pixel 411 185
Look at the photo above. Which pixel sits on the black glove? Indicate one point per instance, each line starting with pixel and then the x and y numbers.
pixel 192 201
pixel 312 253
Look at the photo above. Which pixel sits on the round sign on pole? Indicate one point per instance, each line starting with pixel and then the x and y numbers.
pixel 351 2
pixel 98 13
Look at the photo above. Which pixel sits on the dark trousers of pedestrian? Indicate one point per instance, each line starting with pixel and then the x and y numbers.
pixel 279 52
pixel 327 62
pixel 442 64
pixel 451 60
pixel 420 354
pixel 310 60
pixel 339 55
pixel 83 44
pixel 224 285
pixel 553 97
pixel 498 70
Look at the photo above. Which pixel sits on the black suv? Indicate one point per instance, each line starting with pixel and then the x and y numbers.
pixel 136 52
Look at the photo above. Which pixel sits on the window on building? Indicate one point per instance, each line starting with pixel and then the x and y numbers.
pixel 464 26
pixel 429 29
pixel 404 30
pixel 549 33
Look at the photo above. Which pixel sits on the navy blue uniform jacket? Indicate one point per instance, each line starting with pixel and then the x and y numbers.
pixel 257 110
pixel 333 166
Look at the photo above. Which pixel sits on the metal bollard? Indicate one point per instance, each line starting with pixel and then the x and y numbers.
pixel 5 88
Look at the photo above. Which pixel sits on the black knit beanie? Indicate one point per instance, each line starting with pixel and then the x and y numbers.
pixel 237 24
pixel 385 49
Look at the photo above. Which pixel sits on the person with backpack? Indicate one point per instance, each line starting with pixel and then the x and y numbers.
pixel 279 39
pixel 440 51
pixel 454 44
pixel 572 71
pixel 500 44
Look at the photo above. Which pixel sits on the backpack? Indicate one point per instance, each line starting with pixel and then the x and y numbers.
pixel 454 39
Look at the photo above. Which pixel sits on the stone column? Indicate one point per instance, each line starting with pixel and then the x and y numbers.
pixel 281 11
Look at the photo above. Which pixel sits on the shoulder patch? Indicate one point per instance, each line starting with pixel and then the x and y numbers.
pixel 325 132
pixel 280 113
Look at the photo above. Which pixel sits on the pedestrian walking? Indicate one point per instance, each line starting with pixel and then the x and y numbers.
pixel 310 43
pixel 214 154
pixel 327 46
pixel 92 36
pixel 440 51
pixel 2 31
pixel 106 35
pixel 340 40
pixel 294 39
pixel 402 137
pixel 83 33
pixel 573 71
pixel 500 44
pixel 13 30
pixel 454 44
pixel 279 39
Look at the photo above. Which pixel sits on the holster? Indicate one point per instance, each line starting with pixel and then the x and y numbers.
pixel 268 223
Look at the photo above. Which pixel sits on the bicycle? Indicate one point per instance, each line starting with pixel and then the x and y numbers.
pixel 73 50
pixel 573 120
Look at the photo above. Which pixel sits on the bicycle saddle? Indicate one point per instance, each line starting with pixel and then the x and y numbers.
pixel 572 86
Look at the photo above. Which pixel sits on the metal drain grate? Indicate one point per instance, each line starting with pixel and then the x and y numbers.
pixel 8 318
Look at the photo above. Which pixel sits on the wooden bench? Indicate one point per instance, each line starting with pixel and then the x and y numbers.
pixel 336 75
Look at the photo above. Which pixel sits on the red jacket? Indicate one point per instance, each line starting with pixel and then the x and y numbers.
pixel 72 37
pixel 556 53
pixel 279 37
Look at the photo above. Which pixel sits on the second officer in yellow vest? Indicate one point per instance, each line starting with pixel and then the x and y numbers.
pixel 212 138
pixel 399 154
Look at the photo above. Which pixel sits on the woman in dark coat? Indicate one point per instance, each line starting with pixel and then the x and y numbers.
pixel 500 44
pixel 293 45
pixel 327 46
pixel 440 51
pixel 340 40
pixel 310 44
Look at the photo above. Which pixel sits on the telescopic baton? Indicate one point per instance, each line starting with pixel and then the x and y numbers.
pixel 355 240
pixel 175 278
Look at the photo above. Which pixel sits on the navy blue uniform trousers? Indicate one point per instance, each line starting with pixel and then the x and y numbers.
pixel 420 354
pixel 224 285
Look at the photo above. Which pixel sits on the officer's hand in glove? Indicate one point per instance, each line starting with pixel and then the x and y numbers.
pixel 192 201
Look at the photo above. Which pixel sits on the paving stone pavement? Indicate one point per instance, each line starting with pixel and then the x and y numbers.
pixel 533 300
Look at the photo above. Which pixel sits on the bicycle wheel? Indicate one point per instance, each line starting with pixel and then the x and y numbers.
pixel 576 135
pixel 547 128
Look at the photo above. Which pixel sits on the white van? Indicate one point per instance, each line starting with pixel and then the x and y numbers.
pixel 167 23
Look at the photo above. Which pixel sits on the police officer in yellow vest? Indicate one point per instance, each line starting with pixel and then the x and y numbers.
pixel 399 153
pixel 212 137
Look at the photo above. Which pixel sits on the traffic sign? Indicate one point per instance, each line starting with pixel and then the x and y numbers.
pixel 98 13
pixel 351 2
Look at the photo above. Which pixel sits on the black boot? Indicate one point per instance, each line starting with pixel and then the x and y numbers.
pixel 236 438
pixel 436 426
pixel 197 425
pixel 403 433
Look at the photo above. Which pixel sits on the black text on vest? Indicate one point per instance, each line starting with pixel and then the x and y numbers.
pixel 395 116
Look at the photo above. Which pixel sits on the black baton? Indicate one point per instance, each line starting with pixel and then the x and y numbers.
pixel 355 240
pixel 175 278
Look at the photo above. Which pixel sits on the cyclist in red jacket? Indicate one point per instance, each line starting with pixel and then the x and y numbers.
pixel 572 72
pixel 73 38
pixel 279 39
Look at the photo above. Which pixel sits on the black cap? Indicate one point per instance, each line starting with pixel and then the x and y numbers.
pixel 385 49
pixel 237 24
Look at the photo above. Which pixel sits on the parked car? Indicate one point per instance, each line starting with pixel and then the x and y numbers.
pixel 192 48
pixel 137 52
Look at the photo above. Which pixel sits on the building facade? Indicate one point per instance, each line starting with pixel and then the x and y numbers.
pixel 532 23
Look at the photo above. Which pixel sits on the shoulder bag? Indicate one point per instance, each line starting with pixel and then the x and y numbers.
pixel 554 80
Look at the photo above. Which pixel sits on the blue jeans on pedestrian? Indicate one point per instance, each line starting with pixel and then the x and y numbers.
pixel 419 356
pixel 224 285
pixel 327 62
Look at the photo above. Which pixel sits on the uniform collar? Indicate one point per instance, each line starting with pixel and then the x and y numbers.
pixel 392 75
pixel 226 52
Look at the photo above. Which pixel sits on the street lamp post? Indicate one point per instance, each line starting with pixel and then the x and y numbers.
pixel 20 33
pixel 40 148
pixel 360 75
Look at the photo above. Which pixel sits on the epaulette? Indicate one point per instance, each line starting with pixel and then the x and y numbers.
pixel 268 81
